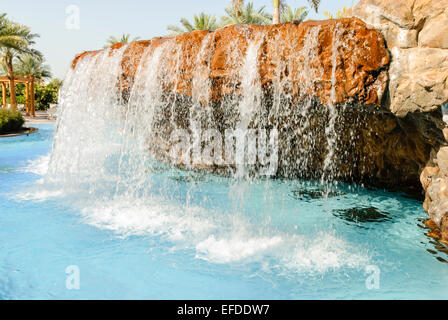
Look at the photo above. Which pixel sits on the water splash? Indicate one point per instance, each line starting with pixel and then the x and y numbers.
pixel 107 149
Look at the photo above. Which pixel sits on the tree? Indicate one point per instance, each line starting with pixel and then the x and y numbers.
pixel 3 71
pixel 345 12
pixel 246 15
pixel 125 38
pixel 284 13
pixel 276 16
pixel 314 4
pixel 202 21
pixel 236 6
pixel 15 41
pixel 30 65
pixel 47 94
pixel 290 15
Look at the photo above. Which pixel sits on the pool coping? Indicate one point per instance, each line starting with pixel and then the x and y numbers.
pixel 27 131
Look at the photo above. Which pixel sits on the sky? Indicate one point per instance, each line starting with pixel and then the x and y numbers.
pixel 63 35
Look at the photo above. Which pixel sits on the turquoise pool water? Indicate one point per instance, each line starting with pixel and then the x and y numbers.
pixel 196 236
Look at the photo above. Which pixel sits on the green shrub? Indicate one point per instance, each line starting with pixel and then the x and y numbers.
pixel 47 94
pixel 10 121
pixel 20 93
pixel 44 94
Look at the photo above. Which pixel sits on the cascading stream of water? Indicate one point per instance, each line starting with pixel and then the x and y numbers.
pixel 112 154
pixel 145 98
pixel 283 99
pixel 330 131
pixel 90 108
pixel 200 112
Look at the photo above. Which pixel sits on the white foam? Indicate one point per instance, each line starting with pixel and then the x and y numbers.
pixel 156 217
pixel 234 249
pixel 323 253
pixel 284 253
pixel 37 195
pixel 38 166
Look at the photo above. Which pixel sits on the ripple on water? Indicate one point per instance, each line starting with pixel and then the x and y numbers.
pixel 362 215
pixel 308 194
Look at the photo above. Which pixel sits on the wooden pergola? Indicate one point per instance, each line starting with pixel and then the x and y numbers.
pixel 29 91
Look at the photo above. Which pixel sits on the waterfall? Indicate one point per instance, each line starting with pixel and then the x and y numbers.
pixel 145 97
pixel 329 166
pixel 238 133
pixel 251 89
pixel 115 153
pixel 89 109
pixel 171 113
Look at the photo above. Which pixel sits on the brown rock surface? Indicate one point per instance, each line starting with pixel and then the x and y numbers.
pixel 442 160
pixel 434 182
pixel 361 71
pixel 429 38
pixel 444 227
pixel 416 32
pixel 425 10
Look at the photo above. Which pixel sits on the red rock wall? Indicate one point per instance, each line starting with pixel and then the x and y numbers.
pixel 361 70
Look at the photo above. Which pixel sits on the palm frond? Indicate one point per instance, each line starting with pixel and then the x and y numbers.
pixel 125 39
pixel 201 21
pixel 291 15
pixel 236 6
pixel 247 15
pixel 345 12
pixel 27 65
pixel 314 4
pixel 15 42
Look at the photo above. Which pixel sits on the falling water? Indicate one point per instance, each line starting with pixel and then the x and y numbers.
pixel 112 156
pixel 329 165
pixel 90 110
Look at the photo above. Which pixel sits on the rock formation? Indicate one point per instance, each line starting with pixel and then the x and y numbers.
pixel 416 32
pixel 362 60
pixel 304 71
pixel 340 91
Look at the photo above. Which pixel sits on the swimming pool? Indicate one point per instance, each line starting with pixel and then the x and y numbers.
pixel 200 236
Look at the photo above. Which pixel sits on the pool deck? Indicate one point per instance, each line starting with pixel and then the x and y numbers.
pixel 41 117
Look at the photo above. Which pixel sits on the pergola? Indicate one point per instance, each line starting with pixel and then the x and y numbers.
pixel 29 91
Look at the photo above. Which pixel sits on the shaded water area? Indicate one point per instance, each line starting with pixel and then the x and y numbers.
pixel 106 197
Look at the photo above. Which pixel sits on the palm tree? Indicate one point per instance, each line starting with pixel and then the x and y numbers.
pixel 15 41
pixel 3 71
pixel 202 21
pixel 315 4
pixel 236 5
pixel 125 38
pixel 276 15
pixel 246 15
pixel 345 12
pixel 290 15
pixel 30 65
